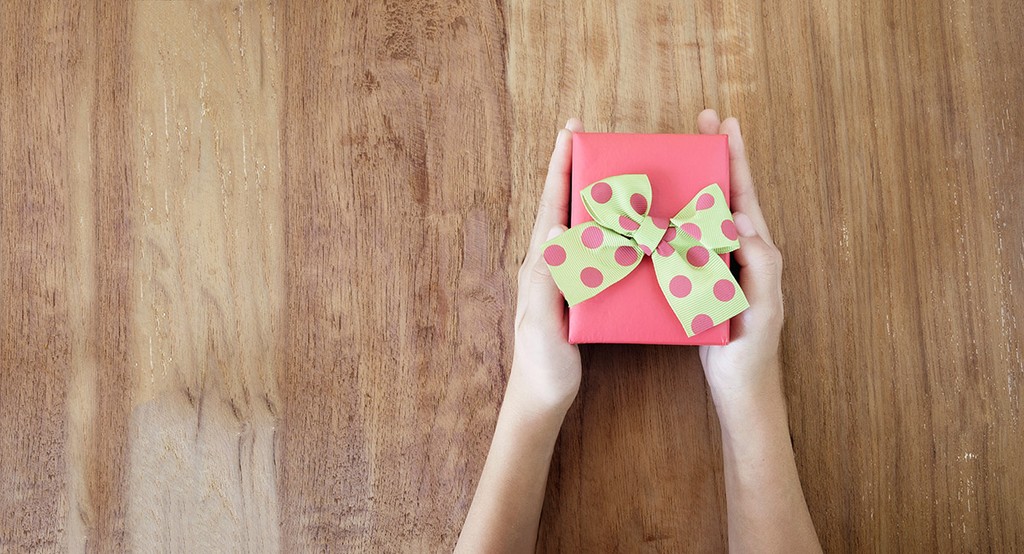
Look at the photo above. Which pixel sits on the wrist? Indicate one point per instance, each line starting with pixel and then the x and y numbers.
pixel 748 402
pixel 544 387
pixel 539 408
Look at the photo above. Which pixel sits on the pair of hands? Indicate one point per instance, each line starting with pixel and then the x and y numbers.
pixel 546 369
pixel 766 507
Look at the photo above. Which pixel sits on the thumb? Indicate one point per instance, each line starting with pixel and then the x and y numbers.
pixel 543 297
pixel 760 268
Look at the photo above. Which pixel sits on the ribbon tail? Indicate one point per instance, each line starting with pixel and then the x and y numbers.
pixel 701 297
pixel 588 259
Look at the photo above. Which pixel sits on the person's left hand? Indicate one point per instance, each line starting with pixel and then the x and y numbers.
pixel 546 368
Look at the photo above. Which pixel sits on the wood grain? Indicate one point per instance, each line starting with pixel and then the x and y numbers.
pixel 34 341
pixel 256 268
pixel 208 254
pixel 395 145
pixel 102 169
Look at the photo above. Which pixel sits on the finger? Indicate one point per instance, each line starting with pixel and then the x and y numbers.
pixel 760 269
pixel 542 301
pixel 554 200
pixel 708 122
pixel 574 125
pixel 742 194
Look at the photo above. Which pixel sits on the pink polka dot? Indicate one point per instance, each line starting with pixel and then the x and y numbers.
pixel 592 277
pixel 646 250
pixel 602 192
pixel 665 249
pixel 554 255
pixel 639 203
pixel 625 255
pixel 724 290
pixel 691 229
pixel 660 222
pixel 592 237
pixel 680 286
pixel 701 323
pixel 670 235
pixel 697 256
pixel 729 229
pixel 705 201
pixel 628 224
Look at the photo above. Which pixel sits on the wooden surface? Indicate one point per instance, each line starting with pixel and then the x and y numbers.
pixel 257 259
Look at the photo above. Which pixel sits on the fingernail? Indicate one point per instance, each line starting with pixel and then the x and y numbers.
pixel 554 232
pixel 744 225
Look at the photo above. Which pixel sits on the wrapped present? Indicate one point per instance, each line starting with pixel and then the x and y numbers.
pixel 646 260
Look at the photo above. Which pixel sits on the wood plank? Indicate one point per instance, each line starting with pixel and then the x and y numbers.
pixel 399 270
pixel 208 284
pixel 34 349
pixel 99 227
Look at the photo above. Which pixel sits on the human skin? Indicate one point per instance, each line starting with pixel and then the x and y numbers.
pixel 766 507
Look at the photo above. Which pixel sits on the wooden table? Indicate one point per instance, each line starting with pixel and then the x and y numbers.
pixel 257 268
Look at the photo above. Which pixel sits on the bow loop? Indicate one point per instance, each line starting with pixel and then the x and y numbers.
pixel 619 203
pixel 685 250
pixel 708 219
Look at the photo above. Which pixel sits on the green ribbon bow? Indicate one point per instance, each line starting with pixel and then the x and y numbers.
pixel 696 282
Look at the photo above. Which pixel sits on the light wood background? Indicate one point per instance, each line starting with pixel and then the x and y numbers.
pixel 257 260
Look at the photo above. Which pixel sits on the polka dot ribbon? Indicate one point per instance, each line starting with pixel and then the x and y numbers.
pixel 696 282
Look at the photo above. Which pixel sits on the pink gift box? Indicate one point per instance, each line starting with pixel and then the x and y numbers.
pixel 634 310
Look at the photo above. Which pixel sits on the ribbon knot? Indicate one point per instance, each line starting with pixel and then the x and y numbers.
pixel 650 233
pixel 698 286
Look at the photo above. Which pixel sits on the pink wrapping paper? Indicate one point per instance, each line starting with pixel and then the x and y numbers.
pixel 634 310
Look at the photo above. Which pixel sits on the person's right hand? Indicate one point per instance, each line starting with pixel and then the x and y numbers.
pixel 766 507
pixel 750 361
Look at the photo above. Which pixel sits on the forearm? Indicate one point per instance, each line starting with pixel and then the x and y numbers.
pixel 506 509
pixel 766 507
